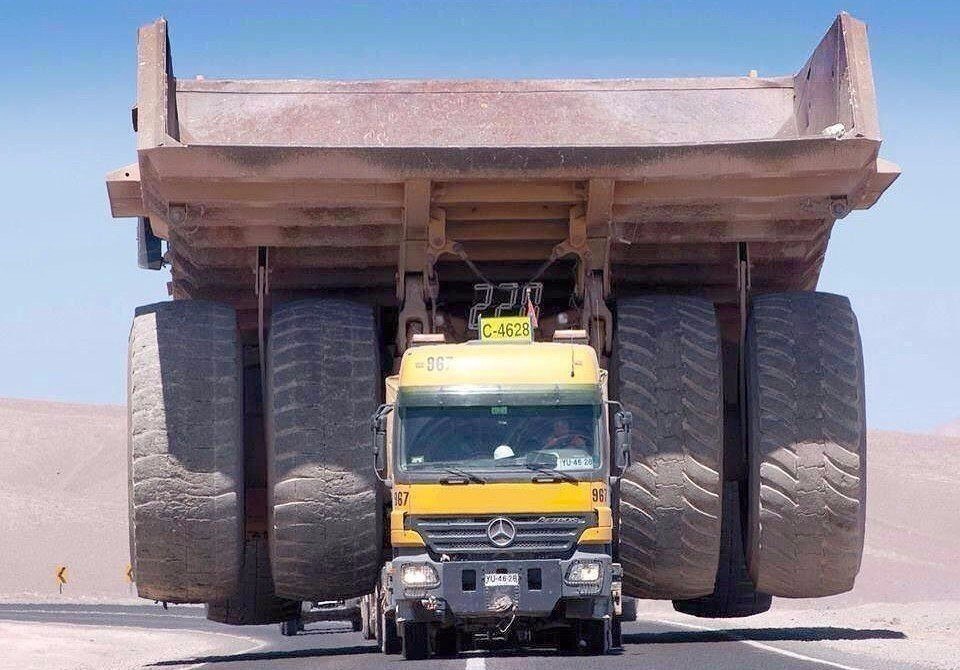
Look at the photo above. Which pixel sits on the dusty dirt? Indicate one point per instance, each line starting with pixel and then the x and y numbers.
pixel 39 646
pixel 63 501
pixel 913 521
pixel 923 634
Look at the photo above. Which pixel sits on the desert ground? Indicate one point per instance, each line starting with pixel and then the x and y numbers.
pixel 63 503
pixel 39 646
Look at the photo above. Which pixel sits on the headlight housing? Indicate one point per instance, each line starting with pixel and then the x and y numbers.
pixel 584 572
pixel 422 575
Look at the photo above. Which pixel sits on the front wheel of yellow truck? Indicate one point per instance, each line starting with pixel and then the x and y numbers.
pixel 387 635
pixel 446 642
pixel 588 637
pixel 597 636
pixel 416 640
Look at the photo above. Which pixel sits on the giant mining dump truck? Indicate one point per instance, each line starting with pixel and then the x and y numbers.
pixel 383 373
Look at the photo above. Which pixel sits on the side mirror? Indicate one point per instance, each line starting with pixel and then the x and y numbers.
pixel 622 431
pixel 379 425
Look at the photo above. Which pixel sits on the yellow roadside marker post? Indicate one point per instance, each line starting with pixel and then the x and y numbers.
pixel 61 577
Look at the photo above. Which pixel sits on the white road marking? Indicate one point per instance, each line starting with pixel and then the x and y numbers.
pixel 258 645
pixel 760 645
pixel 476 663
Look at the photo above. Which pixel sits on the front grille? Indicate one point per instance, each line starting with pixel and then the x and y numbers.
pixel 537 535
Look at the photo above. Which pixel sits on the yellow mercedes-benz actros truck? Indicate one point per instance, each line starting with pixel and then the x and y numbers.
pixel 497 456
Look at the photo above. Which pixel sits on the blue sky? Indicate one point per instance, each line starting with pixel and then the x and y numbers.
pixel 69 277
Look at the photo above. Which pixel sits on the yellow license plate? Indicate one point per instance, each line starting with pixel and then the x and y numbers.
pixel 506 328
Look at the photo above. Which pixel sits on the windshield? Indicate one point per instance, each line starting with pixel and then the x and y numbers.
pixel 563 438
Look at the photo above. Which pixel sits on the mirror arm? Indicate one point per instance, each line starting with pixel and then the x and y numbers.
pixel 623 428
pixel 378 424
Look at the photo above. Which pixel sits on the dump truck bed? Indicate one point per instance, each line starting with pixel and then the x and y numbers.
pixel 354 184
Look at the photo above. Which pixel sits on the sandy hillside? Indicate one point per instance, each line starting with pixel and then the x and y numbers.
pixel 63 492
pixel 913 521
pixel 951 429
pixel 63 501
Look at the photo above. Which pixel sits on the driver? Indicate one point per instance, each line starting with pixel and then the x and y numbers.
pixel 562 437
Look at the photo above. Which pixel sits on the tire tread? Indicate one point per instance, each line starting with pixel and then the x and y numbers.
pixel 667 362
pixel 807 444
pixel 323 377
pixel 185 457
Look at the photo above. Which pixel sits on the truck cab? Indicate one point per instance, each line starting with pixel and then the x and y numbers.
pixel 497 457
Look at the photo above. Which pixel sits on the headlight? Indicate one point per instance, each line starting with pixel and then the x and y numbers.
pixel 419 574
pixel 584 572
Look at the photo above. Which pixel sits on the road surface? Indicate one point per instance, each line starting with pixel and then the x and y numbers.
pixel 651 644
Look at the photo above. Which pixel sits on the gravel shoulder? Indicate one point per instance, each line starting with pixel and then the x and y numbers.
pixel 924 634
pixel 41 646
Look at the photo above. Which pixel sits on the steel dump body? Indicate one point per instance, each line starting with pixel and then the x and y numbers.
pixel 655 182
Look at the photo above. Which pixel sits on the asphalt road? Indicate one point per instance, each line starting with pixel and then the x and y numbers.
pixel 655 644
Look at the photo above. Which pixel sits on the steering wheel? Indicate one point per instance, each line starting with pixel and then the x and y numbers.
pixel 567 440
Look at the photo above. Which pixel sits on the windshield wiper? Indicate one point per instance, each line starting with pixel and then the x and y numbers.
pixel 556 474
pixel 469 476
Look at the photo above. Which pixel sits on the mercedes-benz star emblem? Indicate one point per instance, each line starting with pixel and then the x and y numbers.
pixel 501 532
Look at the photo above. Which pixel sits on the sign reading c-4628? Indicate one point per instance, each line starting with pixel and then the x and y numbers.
pixel 506 328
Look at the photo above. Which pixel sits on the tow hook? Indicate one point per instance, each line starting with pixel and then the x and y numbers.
pixel 434 605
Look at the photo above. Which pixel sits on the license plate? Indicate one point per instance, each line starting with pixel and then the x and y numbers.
pixel 575 463
pixel 506 328
pixel 501 579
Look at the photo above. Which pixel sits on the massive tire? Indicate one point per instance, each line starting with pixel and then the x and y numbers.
pixel 734 594
pixel 415 636
pixel 388 634
pixel 668 372
pixel 807 440
pixel 185 451
pixel 597 636
pixel 323 384
pixel 445 642
pixel 254 603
